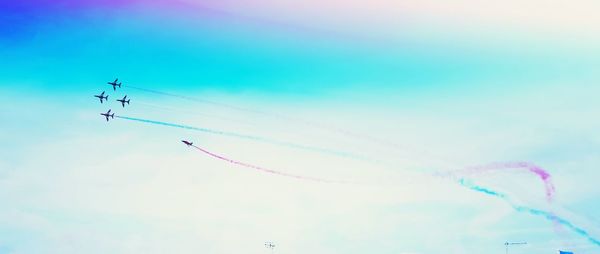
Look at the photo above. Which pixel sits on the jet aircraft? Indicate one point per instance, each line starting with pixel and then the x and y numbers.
pixel 187 142
pixel 108 114
pixel 114 84
pixel 101 97
pixel 123 101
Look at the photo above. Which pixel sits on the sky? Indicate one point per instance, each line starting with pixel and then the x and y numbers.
pixel 331 126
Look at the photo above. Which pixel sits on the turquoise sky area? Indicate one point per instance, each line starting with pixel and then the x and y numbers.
pixel 411 127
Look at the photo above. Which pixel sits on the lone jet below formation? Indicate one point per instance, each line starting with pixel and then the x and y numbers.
pixel 114 84
pixel 108 114
pixel 123 101
pixel 101 97
pixel 187 142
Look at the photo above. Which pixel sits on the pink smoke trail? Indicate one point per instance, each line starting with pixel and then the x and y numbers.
pixel 266 170
pixel 423 155
pixel 541 173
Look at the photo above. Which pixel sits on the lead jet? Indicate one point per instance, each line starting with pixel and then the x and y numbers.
pixel 108 114
pixel 123 101
pixel 187 142
pixel 114 84
pixel 101 97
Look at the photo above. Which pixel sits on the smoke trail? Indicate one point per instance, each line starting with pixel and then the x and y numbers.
pixel 531 167
pixel 542 174
pixel 287 118
pixel 470 185
pixel 197 100
pixel 255 138
pixel 548 215
pixel 171 109
pixel 266 170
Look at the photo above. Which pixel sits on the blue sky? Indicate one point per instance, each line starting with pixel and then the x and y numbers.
pixel 445 97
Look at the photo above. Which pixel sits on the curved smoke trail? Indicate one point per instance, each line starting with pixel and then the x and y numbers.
pixel 547 215
pixel 544 175
pixel 255 138
pixel 541 173
pixel 266 170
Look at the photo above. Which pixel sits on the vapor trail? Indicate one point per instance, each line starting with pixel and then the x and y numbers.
pixel 189 98
pixel 533 168
pixel 265 170
pixel 317 125
pixel 547 215
pixel 541 173
pixel 193 113
pixel 424 155
pixel 254 138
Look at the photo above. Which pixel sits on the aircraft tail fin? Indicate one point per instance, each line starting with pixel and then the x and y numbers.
pixel 127 101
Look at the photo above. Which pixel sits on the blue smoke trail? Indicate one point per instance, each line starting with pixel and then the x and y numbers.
pixel 254 138
pixel 548 215
pixel 471 186
pixel 560 220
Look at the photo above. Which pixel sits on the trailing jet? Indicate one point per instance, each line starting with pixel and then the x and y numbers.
pixel 187 142
pixel 123 101
pixel 101 97
pixel 108 114
pixel 114 84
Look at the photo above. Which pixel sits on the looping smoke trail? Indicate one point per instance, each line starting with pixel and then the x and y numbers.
pixel 537 170
pixel 266 170
pixel 255 138
pixel 547 215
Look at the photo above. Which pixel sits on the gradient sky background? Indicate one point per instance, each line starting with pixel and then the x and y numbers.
pixel 450 84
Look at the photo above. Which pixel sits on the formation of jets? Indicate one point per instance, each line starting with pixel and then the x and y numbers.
pixel 108 115
pixel 103 98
